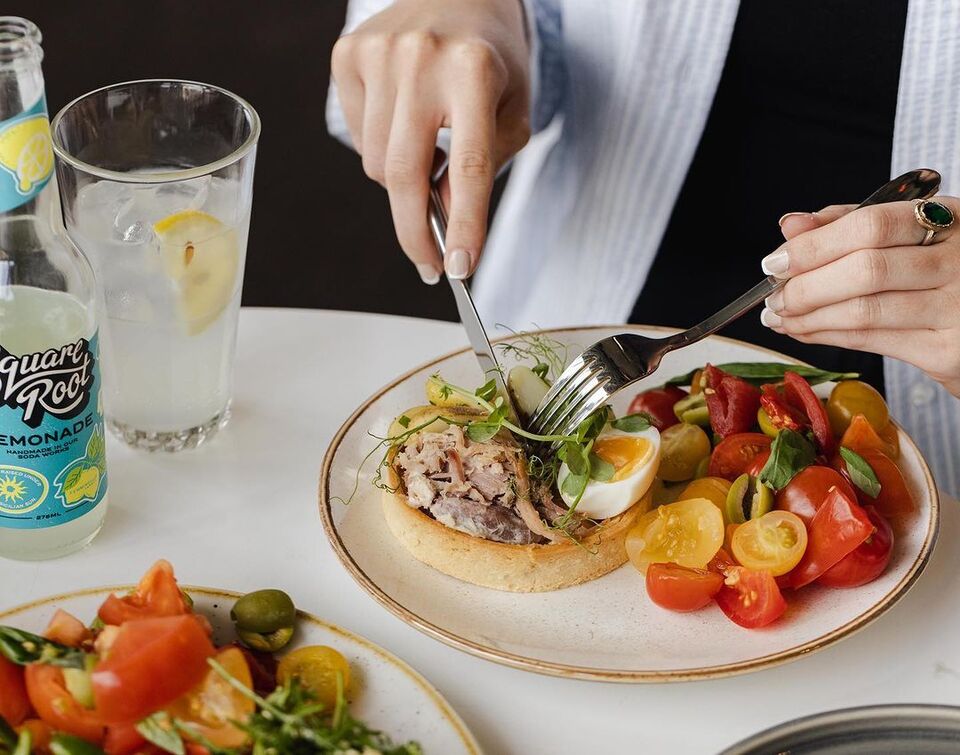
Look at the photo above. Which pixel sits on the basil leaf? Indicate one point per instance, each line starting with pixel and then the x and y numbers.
pixel 600 469
pixel 481 432
pixel 158 729
pixel 574 485
pixel 790 454
pixel 632 423
pixel 403 420
pixel 541 370
pixel 769 372
pixel 22 648
pixel 861 473
pixel 488 390
pixel 67 744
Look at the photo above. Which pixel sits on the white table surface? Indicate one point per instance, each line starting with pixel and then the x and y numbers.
pixel 241 513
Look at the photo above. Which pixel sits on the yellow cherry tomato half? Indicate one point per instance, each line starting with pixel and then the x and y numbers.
pixel 317 668
pixel 774 542
pixel 688 533
pixel 210 708
pixel 682 448
pixel 852 397
pixel 714 489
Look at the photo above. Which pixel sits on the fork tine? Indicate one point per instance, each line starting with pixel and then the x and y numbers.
pixel 560 393
pixel 578 412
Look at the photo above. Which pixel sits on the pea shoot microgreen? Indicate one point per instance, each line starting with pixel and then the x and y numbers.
pixel 548 354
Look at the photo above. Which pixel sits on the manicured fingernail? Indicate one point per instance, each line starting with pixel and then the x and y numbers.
pixel 776 263
pixel 794 215
pixel 428 273
pixel 774 302
pixel 770 319
pixel 458 264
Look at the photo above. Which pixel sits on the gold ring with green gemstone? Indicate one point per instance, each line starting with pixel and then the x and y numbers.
pixel 932 217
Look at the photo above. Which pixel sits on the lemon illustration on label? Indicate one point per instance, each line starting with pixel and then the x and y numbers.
pixel 81 483
pixel 200 253
pixel 26 151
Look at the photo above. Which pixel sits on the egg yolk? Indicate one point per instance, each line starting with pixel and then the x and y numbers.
pixel 625 453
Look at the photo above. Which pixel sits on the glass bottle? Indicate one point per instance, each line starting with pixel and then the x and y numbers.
pixel 53 474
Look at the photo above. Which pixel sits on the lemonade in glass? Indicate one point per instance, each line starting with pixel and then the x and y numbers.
pixel 156 181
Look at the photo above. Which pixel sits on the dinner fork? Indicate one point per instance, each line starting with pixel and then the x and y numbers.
pixel 618 361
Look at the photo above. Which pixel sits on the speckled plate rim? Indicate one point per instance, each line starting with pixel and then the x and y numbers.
pixel 568 671
pixel 441 704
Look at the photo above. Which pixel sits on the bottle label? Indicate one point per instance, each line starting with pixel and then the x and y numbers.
pixel 26 156
pixel 53 464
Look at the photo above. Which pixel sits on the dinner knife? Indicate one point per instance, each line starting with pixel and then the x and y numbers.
pixel 476 333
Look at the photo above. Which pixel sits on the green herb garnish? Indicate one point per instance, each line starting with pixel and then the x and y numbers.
pixel 790 454
pixel 861 473
pixel 290 720
pixel 159 729
pixel 759 373
pixel 22 648
pixel 548 354
pixel 632 423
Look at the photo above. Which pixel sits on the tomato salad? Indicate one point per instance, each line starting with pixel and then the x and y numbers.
pixel 146 677
pixel 764 489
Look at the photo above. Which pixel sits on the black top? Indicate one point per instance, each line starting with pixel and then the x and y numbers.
pixel 803 117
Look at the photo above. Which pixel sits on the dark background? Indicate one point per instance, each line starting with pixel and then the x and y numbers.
pixel 320 234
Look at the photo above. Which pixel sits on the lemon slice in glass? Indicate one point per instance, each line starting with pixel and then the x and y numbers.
pixel 201 255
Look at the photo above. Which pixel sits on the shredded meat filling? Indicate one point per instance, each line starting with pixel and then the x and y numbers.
pixel 482 489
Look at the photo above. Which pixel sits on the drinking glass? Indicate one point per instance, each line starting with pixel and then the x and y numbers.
pixel 156 183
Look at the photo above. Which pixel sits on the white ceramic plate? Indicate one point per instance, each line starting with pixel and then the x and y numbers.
pixel 386 693
pixel 606 629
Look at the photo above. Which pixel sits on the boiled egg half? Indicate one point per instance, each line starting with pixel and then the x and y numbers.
pixel 635 458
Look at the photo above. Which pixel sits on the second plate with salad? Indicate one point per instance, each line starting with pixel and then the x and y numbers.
pixel 788 521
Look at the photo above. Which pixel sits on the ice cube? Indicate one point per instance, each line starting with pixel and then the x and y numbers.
pixel 179 197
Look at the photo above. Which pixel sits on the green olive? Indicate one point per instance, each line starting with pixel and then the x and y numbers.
pixel 748 498
pixel 693 410
pixel 268 642
pixel 264 611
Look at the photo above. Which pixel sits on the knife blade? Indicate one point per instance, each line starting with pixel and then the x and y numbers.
pixel 476 334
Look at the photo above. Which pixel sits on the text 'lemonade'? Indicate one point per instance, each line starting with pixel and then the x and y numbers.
pixel 170 266
pixel 53 471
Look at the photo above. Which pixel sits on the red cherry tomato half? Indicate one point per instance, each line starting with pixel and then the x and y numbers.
pixel 731 402
pixel 14 703
pixel 868 561
pixel 733 455
pixel 55 705
pixel 721 562
pixel 894 499
pixel 750 598
pixel 780 414
pixel 151 663
pixel 838 527
pixel 756 466
pixel 658 404
pixel 123 740
pixel 678 588
pixel 800 394
pixel 66 629
pixel 157 595
pixel 808 489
